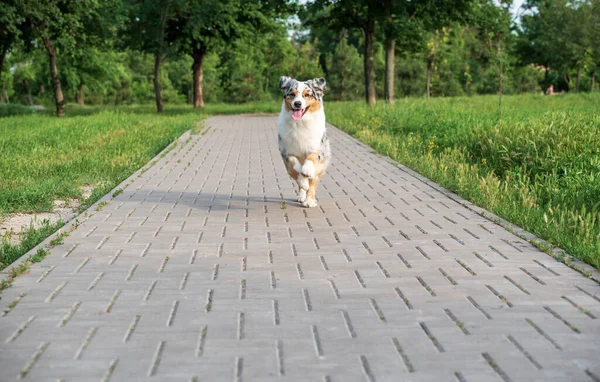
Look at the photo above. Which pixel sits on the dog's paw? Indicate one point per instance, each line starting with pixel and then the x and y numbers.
pixel 302 196
pixel 308 170
pixel 309 202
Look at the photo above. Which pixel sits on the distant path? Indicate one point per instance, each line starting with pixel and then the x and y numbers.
pixel 198 270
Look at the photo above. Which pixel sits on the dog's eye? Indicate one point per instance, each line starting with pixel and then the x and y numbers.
pixel 307 95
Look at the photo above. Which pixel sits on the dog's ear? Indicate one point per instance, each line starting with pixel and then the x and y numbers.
pixel 285 83
pixel 318 85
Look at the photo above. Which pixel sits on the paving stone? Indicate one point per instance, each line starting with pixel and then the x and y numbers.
pixel 205 267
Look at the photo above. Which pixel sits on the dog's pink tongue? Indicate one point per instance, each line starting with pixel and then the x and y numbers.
pixel 297 114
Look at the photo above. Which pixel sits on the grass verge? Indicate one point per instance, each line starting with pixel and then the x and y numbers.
pixel 45 158
pixel 538 166
pixel 28 238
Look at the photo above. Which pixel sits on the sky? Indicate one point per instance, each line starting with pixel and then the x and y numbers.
pixel 516 5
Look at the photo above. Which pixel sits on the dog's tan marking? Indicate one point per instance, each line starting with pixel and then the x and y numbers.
pixel 312 188
pixel 290 169
pixel 312 105
pixel 314 157
pixel 289 164
pixel 319 167
pixel 287 100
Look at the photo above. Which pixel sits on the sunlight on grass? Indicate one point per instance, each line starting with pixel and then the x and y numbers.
pixel 45 158
pixel 538 166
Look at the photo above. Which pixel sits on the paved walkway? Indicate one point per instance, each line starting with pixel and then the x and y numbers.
pixel 205 268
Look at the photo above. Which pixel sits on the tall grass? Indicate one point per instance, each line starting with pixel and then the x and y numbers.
pixel 538 166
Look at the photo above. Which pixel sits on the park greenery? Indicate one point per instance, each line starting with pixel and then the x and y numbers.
pixel 458 84
pixel 196 51
pixel 538 166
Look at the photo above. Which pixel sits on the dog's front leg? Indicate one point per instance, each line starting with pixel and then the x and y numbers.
pixel 309 172
pixel 302 181
pixel 303 187
pixel 295 163
pixel 308 168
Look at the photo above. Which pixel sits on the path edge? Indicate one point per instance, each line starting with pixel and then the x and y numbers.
pixel 553 251
pixel 73 222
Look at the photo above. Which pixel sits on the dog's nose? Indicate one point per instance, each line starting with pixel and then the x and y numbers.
pixel 297 104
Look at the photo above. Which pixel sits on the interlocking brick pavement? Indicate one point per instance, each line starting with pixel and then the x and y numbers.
pixel 205 269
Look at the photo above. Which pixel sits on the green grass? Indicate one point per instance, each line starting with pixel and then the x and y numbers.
pixel 538 166
pixel 29 238
pixel 44 158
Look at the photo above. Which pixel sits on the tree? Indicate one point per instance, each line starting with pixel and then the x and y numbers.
pixel 582 28
pixel 89 62
pixel 57 25
pixel 561 36
pixel 199 26
pixel 494 24
pixel 147 31
pixel 432 47
pixel 10 22
pixel 411 21
pixel 202 25
pixel 359 14
pixel 92 69
pixel 346 74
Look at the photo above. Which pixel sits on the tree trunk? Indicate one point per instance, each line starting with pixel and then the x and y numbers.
pixel 4 95
pixel 159 103
pixel 198 69
pixel 429 70
pixel 26 86
pixel 58 94
pixel 3 51
pixel 80 94
pixel 577 81
pixel 390 58
pixel 369 30
pixel 157 58
pixel 500 77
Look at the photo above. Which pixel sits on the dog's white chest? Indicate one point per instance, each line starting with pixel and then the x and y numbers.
pixel 300 140
pixel 301 137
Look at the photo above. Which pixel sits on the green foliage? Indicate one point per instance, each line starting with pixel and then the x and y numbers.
pixel 347 77
pixel 106 49
pixel 563 37
pixel 45 159
pixel 538 166
pixel 28 238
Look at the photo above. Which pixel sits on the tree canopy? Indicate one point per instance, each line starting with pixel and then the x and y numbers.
pixel 197 51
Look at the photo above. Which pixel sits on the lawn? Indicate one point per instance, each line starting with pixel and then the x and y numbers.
pixel 44 158
pixel 537 166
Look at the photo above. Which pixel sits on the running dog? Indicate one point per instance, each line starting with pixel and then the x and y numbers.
pixel 303 141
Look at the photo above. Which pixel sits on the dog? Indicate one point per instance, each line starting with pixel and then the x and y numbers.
pixel 302 132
